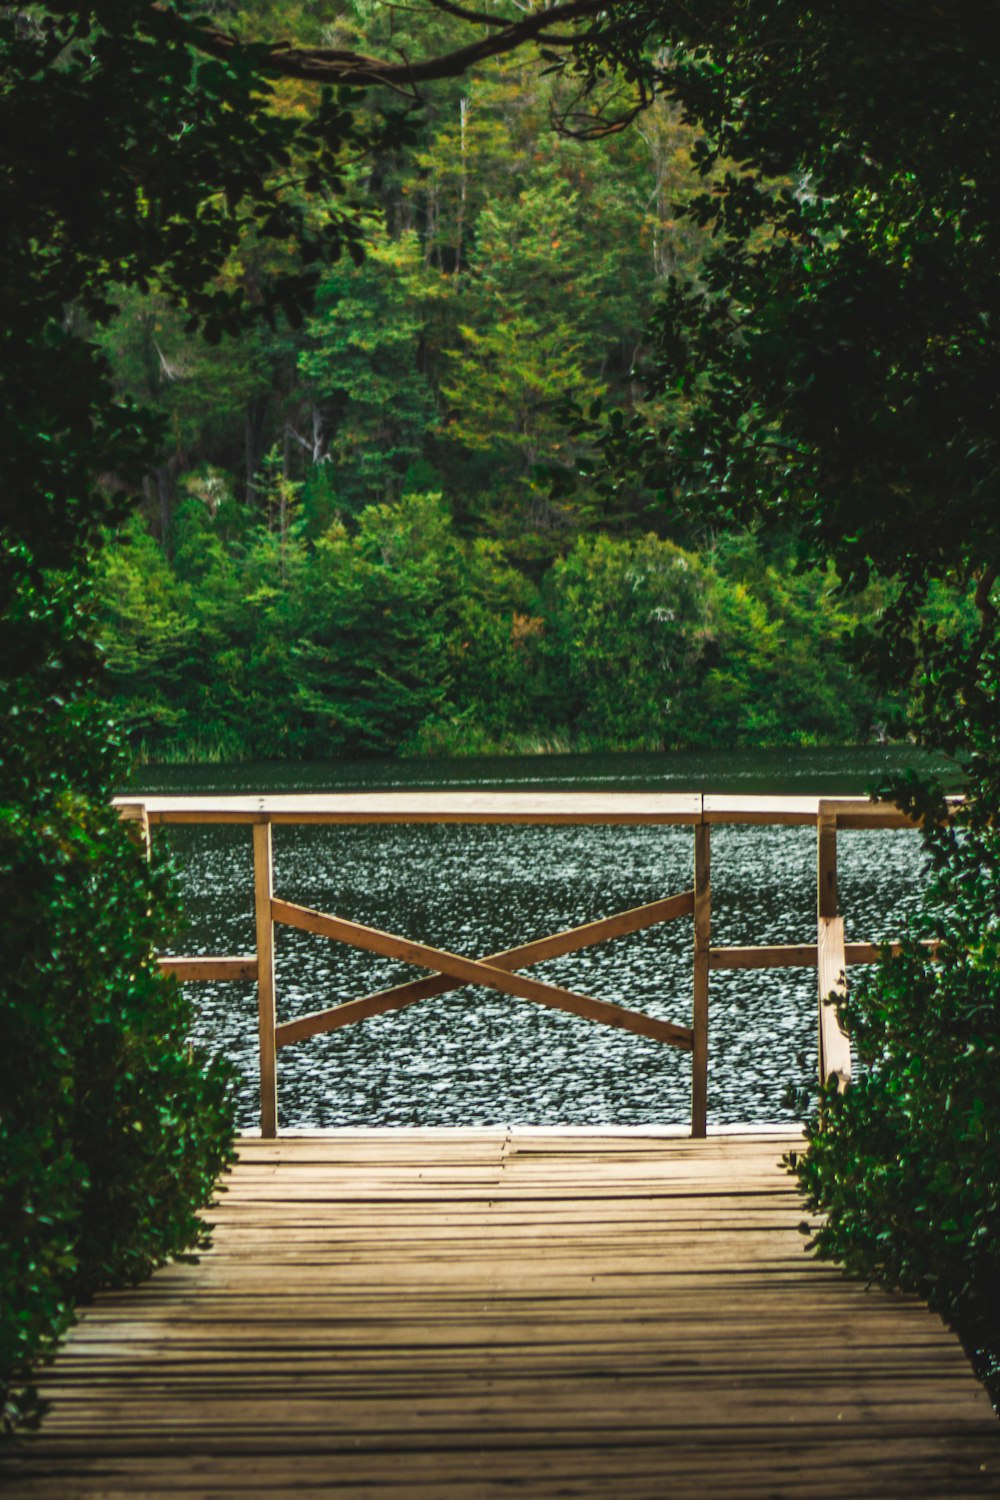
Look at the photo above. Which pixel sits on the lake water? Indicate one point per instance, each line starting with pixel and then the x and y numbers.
pixel 475 1057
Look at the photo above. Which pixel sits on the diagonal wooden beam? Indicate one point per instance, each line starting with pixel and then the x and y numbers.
pixel 570 940
pixel 473 971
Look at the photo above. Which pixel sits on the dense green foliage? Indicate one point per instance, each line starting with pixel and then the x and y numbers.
pixel 505 268
pixel 835 370
pixel 834 366
pixel 396 634
pixel 905 1165
pixel 265 611
pixel 112 1131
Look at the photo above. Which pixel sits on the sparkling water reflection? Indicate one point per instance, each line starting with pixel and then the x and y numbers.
pixel 473 1057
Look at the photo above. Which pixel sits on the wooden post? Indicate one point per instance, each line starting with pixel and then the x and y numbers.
pixel 136 820
pixel 262 885
pixel 702 941
pixel 834 1046
pixel 826 917
pixel 145 836
pixel 826 863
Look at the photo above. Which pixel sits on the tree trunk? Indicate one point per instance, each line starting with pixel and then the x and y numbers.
pixel 463 113
pixel 317 434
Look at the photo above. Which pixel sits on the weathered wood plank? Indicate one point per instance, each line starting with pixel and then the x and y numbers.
pixel 826 862
pixel 852 812
pixel 800 955
pixel 767 956
pixel 788 811
pixel 627 808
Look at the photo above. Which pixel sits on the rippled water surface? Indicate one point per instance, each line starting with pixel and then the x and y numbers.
pixel 475 1057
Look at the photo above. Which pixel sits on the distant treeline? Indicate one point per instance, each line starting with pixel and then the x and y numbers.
pixel 348 540
pixel 397 636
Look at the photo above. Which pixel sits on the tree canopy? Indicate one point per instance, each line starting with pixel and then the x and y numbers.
pixel 836 365
pixel 127 157
pixel 836 372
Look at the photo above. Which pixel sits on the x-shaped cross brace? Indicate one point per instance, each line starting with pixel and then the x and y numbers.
pixel 497 971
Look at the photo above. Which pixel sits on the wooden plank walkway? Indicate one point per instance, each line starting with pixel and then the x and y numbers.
pixel 442 1315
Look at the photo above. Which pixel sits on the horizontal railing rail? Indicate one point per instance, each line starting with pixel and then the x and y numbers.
pixel 831 954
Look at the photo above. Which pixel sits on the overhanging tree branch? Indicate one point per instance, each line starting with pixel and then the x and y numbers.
pixel 335 65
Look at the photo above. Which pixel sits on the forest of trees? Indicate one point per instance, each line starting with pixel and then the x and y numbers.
pixel 350 540
pixel 390 633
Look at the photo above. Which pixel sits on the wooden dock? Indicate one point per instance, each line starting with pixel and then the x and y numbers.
pixel 468 1314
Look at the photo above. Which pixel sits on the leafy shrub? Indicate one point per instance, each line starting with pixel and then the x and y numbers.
pixel 626 625
pixel 389 633
pixel 905 1164
pixel 112 1129
pixel 777 668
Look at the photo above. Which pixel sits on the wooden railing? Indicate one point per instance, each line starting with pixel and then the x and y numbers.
pixel 830 954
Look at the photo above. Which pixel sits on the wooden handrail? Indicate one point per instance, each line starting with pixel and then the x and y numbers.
pixel 802 955
pixel 831 954
pixel 551 808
